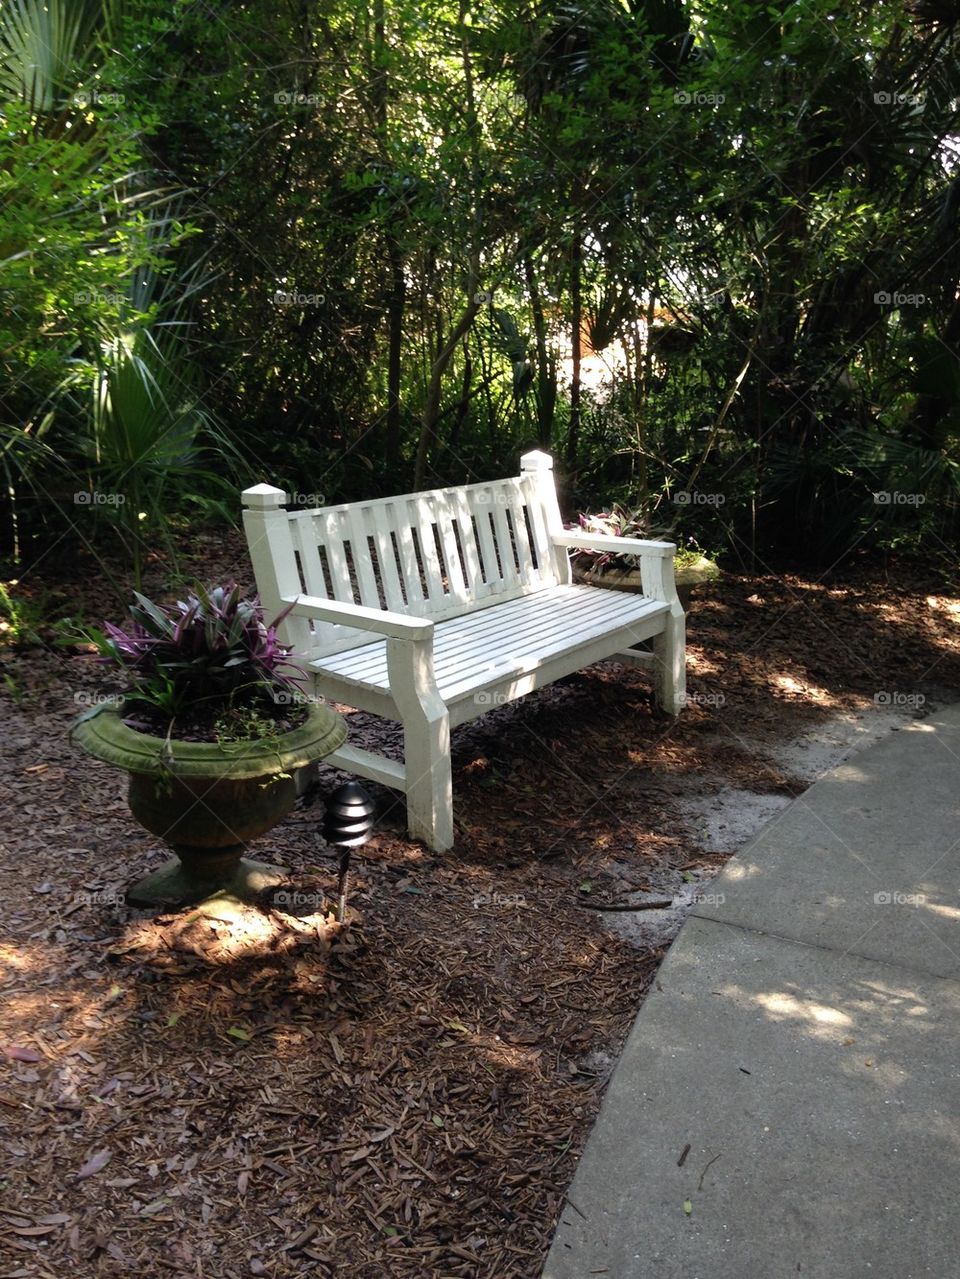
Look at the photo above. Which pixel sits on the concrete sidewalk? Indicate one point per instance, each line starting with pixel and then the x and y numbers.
pixel 788 1100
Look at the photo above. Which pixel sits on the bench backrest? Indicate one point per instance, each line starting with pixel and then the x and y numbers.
pixel 434 554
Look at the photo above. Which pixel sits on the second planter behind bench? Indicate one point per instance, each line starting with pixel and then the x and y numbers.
pixel 688 575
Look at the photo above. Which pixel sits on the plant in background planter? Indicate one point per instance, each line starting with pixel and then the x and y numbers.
pixel 210 729
pixel 622 572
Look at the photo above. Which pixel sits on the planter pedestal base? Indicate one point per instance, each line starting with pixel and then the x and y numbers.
pixel 208 800
pixel 175 885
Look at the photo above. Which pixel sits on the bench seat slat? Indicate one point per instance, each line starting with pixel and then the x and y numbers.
pixel 524 622
pixel 474 651
pixel 528 623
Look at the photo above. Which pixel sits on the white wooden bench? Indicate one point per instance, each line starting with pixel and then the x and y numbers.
pixel 432 607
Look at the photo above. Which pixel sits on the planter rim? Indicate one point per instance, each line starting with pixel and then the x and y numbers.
pixel 102 733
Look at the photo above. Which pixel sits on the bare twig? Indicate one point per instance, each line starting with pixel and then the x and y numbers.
pixel 704 1173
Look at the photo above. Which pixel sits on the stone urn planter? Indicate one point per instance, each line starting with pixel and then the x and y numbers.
pixel 688 576
pixel 207 800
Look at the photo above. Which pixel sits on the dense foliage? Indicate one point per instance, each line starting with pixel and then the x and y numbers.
pixel 706 253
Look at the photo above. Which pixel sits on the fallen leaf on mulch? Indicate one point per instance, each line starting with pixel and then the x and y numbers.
pixel 96 1163
pixel 21 1054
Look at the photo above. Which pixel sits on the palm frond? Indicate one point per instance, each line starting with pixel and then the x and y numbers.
pixel 43 44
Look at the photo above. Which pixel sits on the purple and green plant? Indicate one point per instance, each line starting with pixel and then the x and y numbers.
pixel 213 651
pixel 617 522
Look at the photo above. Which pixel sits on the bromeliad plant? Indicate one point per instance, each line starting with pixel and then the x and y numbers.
pixel 618 522
pixel 208 660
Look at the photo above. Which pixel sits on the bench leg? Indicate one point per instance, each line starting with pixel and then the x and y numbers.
pixel 426 743
pixel 670 663
pixel 429 785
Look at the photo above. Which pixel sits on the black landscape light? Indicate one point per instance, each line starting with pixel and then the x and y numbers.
pixel 347 824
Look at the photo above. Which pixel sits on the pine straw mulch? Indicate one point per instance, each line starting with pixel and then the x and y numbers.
pixel 267 1093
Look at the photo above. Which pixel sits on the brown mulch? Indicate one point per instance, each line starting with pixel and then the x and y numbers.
pixel 406 1095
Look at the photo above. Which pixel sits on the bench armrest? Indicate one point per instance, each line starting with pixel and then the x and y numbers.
pixel 394 625
pixel 656 560
pixel 618 545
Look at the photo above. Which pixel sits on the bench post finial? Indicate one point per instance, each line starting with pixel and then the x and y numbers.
pixel 263 497
pixel 536 460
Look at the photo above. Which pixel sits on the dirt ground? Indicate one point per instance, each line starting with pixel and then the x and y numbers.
pixel 270 1094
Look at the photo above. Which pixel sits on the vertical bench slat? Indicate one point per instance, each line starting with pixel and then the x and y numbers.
pixel 541 536
pixel 361 527
pixel 528 572
pixel 444 511
pixel 408 558
pixel 422 521
pixel 476 586
pixel 383 517
pixel 303 531
pixel 480 505
pixel 329 528
pixel 309 552
pixel 508 566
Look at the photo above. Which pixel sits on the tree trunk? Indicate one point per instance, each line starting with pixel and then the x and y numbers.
pixel 643 382
pixel 546 380
pixel 431 407
pixel 463 408
pixel 446 348
pixel 576 352
pixel 397 303
pixel 397 295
